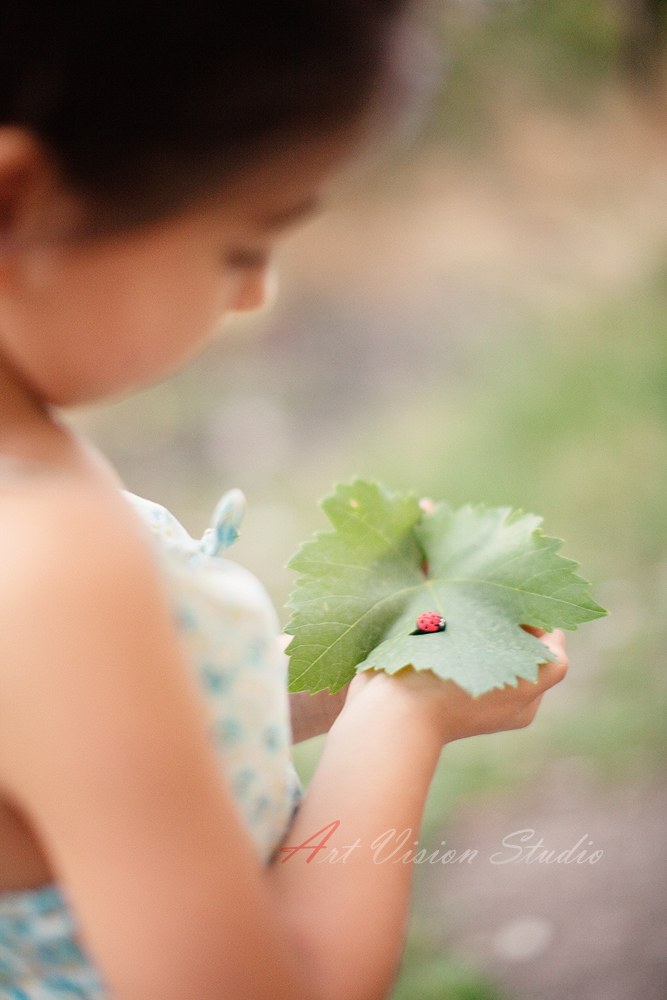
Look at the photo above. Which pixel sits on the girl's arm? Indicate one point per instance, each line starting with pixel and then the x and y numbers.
pixel 103 744
pixel 349 904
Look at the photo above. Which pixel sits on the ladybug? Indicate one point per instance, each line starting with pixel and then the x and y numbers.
pixel 429 621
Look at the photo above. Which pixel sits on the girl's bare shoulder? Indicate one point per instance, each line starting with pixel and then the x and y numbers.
pixel 69 544
pixel 54 521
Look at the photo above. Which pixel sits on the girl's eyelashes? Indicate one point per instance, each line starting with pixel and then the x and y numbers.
pixel 246 260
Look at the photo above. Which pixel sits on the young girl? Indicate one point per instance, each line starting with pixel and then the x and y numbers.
pixel 150 157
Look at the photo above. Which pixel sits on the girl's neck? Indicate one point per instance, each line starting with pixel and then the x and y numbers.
pixel 22 413
pixel 31 431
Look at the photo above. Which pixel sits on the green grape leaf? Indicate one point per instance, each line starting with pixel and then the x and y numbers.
pixel 486 571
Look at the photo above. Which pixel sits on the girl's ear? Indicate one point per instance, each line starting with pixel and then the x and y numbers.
pixel 22 175
pixel 33 204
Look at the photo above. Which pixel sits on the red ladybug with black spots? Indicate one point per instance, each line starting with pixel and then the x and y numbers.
pixel 430 621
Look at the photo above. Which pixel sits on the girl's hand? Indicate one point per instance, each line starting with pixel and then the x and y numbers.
pixel 312 714
pixel 456 714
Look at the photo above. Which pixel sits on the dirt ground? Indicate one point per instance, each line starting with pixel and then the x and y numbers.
pixel 560 931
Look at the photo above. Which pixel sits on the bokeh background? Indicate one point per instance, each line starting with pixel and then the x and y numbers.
pixel 483 317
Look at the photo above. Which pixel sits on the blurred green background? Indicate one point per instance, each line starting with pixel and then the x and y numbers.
pixel 482 318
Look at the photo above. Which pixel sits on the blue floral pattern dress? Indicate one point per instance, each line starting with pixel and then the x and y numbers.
pixel 229 631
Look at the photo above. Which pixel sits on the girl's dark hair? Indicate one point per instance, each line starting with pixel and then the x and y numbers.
pixel 144 104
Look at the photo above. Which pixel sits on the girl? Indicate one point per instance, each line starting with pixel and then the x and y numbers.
pixel 150 157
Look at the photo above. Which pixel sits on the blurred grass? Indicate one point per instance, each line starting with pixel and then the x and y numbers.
pixel 425 977
pixel 503 55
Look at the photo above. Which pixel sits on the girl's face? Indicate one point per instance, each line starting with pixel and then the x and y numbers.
pixel 81 320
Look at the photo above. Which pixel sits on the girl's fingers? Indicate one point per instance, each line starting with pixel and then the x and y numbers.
pixel 554 641
pixel 551 673
pixel 526 715
pixel 553 670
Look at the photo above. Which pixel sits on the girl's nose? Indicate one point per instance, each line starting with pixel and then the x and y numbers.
pixel 257 289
